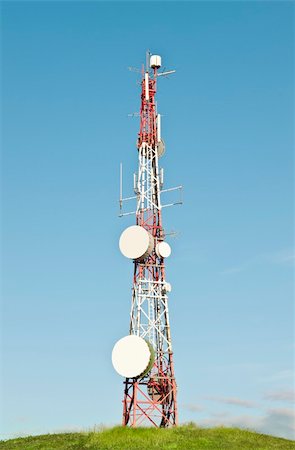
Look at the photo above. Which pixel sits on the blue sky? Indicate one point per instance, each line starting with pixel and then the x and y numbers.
pixel 228 124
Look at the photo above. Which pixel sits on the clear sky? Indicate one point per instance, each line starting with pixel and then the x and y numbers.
pixel 228 124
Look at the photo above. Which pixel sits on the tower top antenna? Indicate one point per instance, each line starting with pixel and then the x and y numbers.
pixel 147 60
pixel 155 61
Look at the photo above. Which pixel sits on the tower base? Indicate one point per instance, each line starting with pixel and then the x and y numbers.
pixel 150 401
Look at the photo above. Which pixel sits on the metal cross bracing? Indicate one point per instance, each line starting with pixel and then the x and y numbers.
pixel 151 399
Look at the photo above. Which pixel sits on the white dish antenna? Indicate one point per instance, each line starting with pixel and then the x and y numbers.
pixel 161 148
pixel 167 287
pixel 136 243
pixel 132 357
pixel 163 249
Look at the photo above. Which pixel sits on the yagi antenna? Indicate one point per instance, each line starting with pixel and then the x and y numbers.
pixel 134 69
pixel 164 74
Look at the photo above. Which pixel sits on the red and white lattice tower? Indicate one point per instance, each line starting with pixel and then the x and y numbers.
pixel 144 357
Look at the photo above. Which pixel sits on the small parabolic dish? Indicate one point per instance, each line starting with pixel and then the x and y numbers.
pixel 163 249
pixel 167 287
pixel 135 242
pixel 161 148
pixel 132 357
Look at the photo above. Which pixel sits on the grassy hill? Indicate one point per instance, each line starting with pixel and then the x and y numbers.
pixel 184 437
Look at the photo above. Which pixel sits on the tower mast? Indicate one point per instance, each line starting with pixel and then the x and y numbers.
pixel 150 394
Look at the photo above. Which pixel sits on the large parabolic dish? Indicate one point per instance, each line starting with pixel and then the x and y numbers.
pixel 136 243
pixel 132 356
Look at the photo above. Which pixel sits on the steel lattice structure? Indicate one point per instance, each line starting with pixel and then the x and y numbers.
pixel 153 398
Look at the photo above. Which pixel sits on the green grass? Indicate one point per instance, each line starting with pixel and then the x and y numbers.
pixel 184 437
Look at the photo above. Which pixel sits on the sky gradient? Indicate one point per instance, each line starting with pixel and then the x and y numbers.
pixel 228 124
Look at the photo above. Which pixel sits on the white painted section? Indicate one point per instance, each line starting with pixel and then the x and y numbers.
pixel 163 249
pixel 155 61
pixel 159 127
pixel 146 80
pixel 131 356
pixel 135 242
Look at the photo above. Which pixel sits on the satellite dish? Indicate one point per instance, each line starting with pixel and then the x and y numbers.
pixel 163 249
pixel 161 148
pixel 132 357
pixel 167 287
pixel 136 242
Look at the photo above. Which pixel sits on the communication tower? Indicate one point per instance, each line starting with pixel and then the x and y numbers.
pixel 144 357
